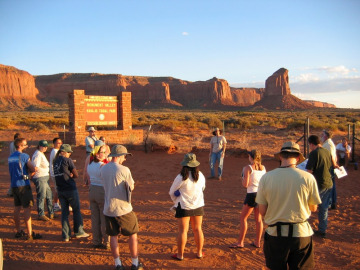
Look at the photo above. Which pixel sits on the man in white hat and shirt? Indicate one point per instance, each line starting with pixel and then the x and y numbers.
pixel 90 140
pixel 286 198
pixel 119 216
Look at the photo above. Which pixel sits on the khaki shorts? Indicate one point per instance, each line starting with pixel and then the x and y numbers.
pixel 126 225
pixel 23 196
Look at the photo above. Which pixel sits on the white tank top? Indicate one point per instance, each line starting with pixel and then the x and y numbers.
pixel 254 180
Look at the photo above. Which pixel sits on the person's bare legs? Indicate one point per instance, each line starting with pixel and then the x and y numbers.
pixel 196 225
pixel 259 226
pixel 133 245
pixel 27 219
pixel 17 210
pixel 183 224
pixel 245 213
pixel 114 246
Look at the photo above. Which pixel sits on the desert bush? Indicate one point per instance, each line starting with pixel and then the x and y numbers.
pixel 39 127
pixel 161 139
pixel 4 123
pixel 213 122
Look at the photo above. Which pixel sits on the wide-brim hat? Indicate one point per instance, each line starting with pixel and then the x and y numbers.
pixel 119 150
pixel 291 147
pixel 91 129
pixel 66 148
pixel 190 160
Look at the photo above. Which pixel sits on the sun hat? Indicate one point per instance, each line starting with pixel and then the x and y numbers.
pixel 118 150
pixel 43 143
pixel 190 160
pixel 91 129
pixel 290 147
pixel 66 148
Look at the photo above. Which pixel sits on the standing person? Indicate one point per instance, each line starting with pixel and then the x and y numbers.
pixel 187 193
pixel 57 143
pixel 119 216
pixel 12 150
pixel 250 179
pixel 41 181
pixel 343 151
pixel 89 159
pixel 65 172
pixel 20 167
pixel 217 152
pixel 319 164
pixel 330 146
pixel 90 140
pixel 102 138
pixel 96 198
pixel 286 198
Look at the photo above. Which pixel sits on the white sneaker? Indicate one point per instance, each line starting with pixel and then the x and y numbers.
pixel 57 208
pixel 84 235
pixel 70 208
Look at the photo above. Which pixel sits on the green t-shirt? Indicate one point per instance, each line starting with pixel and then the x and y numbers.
pixel 320 163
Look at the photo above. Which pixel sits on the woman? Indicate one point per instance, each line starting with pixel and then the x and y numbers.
pixel 41 181
pixel 217 152
pixel 250 179
pixel 65 172
pixel 187 194
pixel 96 198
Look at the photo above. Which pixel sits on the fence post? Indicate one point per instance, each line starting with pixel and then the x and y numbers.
pixel 353 145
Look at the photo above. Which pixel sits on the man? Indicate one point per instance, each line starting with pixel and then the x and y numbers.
pixel 90 140
pixel 286 198
pixel 20 167
pixel 343 151
pixel 319 165
pixel 119 217
pixel 217 152
pixel 330 146
pixel 57 142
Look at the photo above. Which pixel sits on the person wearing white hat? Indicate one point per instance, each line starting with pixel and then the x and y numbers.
pixel 217 152
pixel 286 197
pixel 90 140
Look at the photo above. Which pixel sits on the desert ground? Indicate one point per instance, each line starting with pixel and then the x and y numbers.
pixel 153 173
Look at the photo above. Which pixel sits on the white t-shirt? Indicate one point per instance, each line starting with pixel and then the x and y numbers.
pixel 93 170
pixel 191 193
pixel 330 146
pixel 342 148
pixel 39 160
pixel 52 156
pixel 217 143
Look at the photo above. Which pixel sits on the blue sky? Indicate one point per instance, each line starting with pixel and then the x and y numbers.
pixel 243 42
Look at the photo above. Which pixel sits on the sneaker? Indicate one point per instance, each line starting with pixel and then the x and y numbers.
pixel 219 178
pixel 70 208
pixel 43 218
pixel 120 267
pixel 320 234
pixel 84 235
pixel 19 234
pixel 66 239
pixel 139 267
pixel 57 208
pixel 100 246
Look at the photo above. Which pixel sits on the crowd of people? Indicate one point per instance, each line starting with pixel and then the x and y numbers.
pixel 282 198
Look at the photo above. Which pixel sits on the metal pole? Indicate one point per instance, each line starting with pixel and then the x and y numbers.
pixel 348 132
pixel 305 139
pixel 64 133
pixel 353 145
pixel 223 122
pixel 307 136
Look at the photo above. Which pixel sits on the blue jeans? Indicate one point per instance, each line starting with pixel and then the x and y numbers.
pixel 213 159
pixel 71 198
pixel 333 198
pixel 43 192
pixel 325 196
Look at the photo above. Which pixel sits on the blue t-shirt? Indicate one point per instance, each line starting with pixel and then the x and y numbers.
pixel 14 160
pixel 62 169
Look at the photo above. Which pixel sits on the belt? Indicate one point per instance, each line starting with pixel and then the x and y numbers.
pixel 291 227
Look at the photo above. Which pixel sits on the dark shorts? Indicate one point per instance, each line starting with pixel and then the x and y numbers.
pixel 250 199
pixel 126 225
pixel 296 252
pixel 23 196
pixel 180 213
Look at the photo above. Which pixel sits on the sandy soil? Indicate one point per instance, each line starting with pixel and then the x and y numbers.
pixel 154 173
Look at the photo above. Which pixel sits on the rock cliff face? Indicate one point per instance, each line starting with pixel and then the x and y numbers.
pixel 278 84
pixel 320 104
pixel 17 85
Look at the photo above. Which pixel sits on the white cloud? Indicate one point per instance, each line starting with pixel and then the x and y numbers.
pixel 305 78
pixel 185 33
pixel 339 70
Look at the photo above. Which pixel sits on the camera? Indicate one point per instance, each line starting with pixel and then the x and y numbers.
pixel 25 177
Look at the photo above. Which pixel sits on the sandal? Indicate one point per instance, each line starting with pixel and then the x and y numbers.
pixel 253 244
pixel 235 246
pixel 176 257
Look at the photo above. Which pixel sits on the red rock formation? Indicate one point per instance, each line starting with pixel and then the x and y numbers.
pixel 247 96
pixel 320 104
pixel 278 84
pixel 16 83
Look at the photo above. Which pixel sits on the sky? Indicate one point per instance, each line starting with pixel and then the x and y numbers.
pixel 243 42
